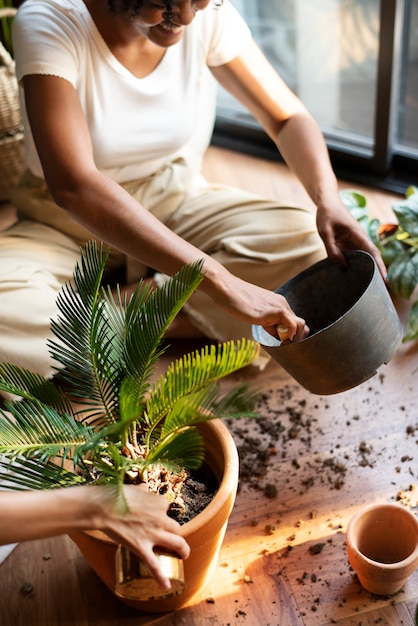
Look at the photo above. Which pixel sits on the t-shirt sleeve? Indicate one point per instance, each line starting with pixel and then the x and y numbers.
pixel 230 34
pixel 43 42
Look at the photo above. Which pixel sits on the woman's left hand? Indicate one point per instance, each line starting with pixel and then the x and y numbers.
pixel 340 232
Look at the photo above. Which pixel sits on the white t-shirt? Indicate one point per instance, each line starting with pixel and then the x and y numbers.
pixel 136 124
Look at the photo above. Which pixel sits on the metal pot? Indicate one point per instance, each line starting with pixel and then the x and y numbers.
pixel 354 327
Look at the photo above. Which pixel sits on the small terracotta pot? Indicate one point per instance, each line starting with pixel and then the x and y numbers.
pixel 204 533
pixel 382 546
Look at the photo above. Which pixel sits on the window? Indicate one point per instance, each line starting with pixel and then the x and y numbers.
pixel 354 64
pixel 407 105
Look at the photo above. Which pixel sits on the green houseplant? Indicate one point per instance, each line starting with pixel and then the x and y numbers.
pixel 12 161
pixel 6 12
pixel 398 244
pixel 108 420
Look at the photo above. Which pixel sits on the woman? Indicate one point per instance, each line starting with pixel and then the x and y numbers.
pixel 27 515
pixel 118 106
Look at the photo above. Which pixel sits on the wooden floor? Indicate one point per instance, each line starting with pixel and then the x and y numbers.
pixel 284 560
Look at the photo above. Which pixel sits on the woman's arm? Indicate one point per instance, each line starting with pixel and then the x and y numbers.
pixel 63 142
pixel 27 515
pixel 102 206
pixel 256 84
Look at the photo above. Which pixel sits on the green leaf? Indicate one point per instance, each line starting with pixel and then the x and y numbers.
pixel 372 230
pixel 22 474
pixel 356 204
pixel 210 403
pixel 146 325
pixel 36 430
pixel 412 327
pixel 191 409
pixel 32 386
pixel 184 448
pixel 361 215
pixel 132 400
pixel 406 212
pixel 411 190
pixel 196 371
pixel 403 274
pixel 353 199
pixel 391 251
pixel 84 346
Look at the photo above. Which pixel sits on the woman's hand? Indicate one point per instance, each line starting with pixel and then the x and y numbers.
pixel 27 515
pixel 256 305
pixel 340 232
pixel 145 527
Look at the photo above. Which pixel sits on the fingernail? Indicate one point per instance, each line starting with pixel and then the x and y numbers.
pixel 283 331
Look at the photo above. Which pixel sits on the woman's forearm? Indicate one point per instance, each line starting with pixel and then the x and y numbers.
pixel 303 147
pixel 26 515
pixel 141 525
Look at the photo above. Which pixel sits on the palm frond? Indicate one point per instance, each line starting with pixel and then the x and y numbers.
pixel 209 403
pixel 29 385
pixel 132 388
pixel 194 372
pixel 85 341
pixel 22 474
pixel 76 303
pixel 169 439
pixel 185 448
pixel 32 429
pixel 107 348
pixel 238 402
pixel 147 324
pixel 132 400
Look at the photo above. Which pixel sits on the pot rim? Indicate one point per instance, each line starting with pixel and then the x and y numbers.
pixel 229 476
pixel 259 334
pixel 352 545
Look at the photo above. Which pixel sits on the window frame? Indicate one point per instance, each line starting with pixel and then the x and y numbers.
pixel 379 163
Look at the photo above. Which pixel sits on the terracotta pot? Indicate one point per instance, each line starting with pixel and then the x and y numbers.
pixel 382 546
pixel 204 533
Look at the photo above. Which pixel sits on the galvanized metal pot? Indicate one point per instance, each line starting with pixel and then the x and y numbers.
pixel 354 327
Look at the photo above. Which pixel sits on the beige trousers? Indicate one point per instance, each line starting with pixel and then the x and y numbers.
pixel 255 239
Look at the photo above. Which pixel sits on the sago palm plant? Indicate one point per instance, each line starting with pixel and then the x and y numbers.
pixel 109 420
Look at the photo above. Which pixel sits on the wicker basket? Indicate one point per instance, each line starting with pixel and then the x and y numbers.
pixel 11 128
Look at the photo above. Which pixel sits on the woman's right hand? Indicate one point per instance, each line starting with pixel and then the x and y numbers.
pixel 257 305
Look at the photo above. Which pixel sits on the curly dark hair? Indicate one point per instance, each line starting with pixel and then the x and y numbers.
pixel 133 7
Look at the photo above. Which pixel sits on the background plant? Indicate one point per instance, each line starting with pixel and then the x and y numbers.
pixel 6 27
pixel 398 244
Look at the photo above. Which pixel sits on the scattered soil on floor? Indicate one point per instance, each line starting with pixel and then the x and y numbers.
pixel 288 441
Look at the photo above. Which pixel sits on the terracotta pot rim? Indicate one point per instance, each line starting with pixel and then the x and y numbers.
pixel 229 477
pixel 405 563
pixel 351 543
